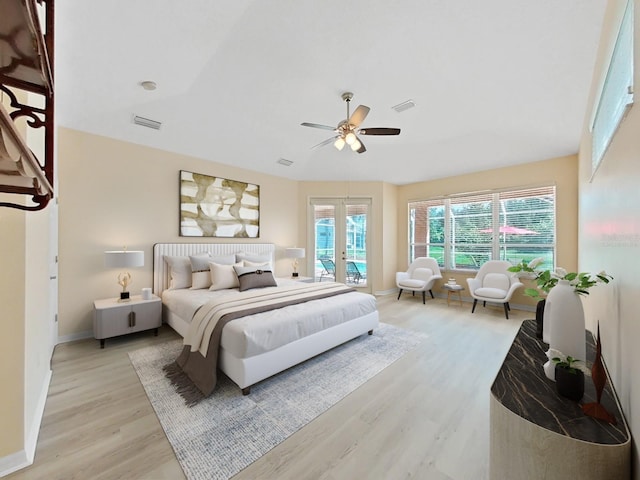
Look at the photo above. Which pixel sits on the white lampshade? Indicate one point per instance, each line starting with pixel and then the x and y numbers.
pixel 124 258
pixel 355 146
pixel 339 143
pixel 294 252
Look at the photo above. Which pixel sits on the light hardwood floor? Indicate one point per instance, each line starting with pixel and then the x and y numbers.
pixel 425 417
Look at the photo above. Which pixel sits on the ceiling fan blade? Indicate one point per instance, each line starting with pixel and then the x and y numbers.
pixel 315 125
pixel 362 148
pixel 379 131
pixel 326 142
pixel 359 114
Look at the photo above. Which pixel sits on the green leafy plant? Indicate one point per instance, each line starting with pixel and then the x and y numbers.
pixel 547 279
pixel 573 365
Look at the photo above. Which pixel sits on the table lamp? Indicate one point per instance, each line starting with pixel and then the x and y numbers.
pixel 124 259
pixel 294 253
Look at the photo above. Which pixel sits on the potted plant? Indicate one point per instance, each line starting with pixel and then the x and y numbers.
pixel 569 375
pixel 547 279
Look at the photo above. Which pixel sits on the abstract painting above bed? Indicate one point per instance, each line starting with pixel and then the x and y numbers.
pixel 218 207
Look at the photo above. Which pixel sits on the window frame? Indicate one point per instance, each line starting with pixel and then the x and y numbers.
pixel 614 101
pixel 492 248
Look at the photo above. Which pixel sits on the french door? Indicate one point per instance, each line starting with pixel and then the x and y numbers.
pixel 338 233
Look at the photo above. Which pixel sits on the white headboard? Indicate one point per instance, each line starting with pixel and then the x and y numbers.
pixel 161 272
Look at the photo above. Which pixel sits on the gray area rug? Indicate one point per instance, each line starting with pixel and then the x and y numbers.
pixel 228 431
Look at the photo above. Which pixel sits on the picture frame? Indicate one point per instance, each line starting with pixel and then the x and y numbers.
pixel 213 206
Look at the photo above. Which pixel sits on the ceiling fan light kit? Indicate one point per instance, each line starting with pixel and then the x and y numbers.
pixel 349 129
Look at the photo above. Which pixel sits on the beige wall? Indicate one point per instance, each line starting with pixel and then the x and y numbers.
pixel 389 253
pixel 561 172
pixel 12 340
pixel 115 193
pixel 610 235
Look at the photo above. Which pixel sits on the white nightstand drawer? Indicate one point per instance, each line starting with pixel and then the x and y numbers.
pixel 112 317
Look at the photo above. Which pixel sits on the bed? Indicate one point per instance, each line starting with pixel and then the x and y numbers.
pixel 255 347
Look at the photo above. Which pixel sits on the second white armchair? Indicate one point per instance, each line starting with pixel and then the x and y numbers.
pixel 494 283
pixel 419 277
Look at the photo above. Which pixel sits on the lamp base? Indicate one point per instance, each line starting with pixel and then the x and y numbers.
pixel 294 274
pixel 124 296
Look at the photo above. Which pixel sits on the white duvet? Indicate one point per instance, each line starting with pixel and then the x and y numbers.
pixel 263 332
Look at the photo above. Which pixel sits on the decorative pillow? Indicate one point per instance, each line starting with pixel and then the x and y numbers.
pixel 223 276
pixel 241 256
pixel 254 277
pixel 223 259
pixel 179 271
pixel 267 265
pixel 200 277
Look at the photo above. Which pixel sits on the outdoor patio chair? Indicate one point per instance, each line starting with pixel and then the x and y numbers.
pixel 353 273
pixel 329 268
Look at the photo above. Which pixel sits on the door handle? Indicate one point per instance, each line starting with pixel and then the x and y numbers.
pixel 132 319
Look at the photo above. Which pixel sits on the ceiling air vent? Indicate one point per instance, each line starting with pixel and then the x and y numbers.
pixel 146 122
pixel 285 162
pixel 401 107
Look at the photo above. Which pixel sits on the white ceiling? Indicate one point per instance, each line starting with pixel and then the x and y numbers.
pixel 495 82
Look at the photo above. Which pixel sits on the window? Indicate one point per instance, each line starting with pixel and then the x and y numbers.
pixel 616 96
pixel 464 231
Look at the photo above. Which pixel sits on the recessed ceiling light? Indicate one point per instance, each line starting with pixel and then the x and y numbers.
pixel 148 85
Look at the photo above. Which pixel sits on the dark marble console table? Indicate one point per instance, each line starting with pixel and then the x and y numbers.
pixel 536 433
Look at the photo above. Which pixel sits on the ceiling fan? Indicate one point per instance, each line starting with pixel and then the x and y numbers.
pixel 349 129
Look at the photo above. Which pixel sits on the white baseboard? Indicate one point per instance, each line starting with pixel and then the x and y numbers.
pixel 75 336
pixel 438 294
pixel 32 436
pixel 24 458
pixel 385 292
pixel 13 462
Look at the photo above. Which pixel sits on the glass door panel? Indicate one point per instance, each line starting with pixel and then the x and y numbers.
pixel 355 252
pixel 340 240
pixel 324 228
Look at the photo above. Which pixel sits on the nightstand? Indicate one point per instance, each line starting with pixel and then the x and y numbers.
pixel 299 279
pixel 112 318
pixel 303 279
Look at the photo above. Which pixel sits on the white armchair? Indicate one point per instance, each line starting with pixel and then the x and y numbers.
pixel 494 283
pixel 419 277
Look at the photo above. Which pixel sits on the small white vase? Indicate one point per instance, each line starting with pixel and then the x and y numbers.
pixel 563 327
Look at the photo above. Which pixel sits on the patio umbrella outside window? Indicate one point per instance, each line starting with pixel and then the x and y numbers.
pixel 505 230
